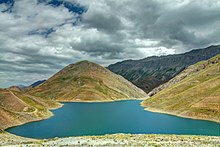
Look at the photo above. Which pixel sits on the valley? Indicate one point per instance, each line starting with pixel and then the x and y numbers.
pixel 110 73
pixel 80 82
pixel 191 93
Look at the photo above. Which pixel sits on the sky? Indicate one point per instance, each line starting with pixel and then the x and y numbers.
pixel 40 37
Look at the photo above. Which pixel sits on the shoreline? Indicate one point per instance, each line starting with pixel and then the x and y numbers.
pixel 141 105
pixel 7 139
pixel 174 114
pixel 40 119
pixel 60 106
pixel 102 101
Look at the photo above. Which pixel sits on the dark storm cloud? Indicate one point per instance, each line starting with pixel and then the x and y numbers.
pixel 38 38
pixel 98 48
pixel 100 20
pixel 187 24
pixel 182 26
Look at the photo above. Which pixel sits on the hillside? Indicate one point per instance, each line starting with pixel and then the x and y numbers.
pixel 185 73
pixel 17 108
pixel 87 81
pixel 153 71
pixel 194 93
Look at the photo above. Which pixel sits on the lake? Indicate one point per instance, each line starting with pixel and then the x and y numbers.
pixel 77 119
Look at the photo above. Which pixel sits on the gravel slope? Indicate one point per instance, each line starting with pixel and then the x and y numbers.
pixel 7 139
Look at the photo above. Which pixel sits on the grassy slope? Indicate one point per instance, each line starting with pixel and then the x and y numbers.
pixel 196 96
pixel 86 81
pixel 17 108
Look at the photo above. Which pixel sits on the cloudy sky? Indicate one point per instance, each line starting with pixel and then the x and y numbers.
pixel 39 37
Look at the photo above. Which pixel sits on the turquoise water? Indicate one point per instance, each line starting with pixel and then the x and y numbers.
pixel 76 119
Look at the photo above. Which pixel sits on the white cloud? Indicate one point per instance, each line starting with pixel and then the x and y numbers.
pixel 109 31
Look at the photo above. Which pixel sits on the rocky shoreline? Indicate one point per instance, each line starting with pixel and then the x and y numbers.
pixel 7 139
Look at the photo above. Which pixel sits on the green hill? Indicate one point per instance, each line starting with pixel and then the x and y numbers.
pixel 195 94
pixel 87 81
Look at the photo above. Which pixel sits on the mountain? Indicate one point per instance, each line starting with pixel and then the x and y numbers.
pixel 87 81
pixel 15 88
pixel 26 88
pixel 184 74
pixel 17 108
pixel 153 71
pixel 194 93
pixel 21 86
pixel 37 83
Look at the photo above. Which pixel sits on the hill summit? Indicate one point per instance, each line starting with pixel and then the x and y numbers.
pixel 87 81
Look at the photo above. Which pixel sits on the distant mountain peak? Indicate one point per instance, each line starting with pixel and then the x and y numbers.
pixel 37 83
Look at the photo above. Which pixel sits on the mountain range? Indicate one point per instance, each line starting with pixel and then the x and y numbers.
pixel 188 91
pixel 148 73
pixel 37 83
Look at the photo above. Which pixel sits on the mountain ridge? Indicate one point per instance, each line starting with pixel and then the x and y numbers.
pixel 150 72
pixel 192 69
pixel 36 83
